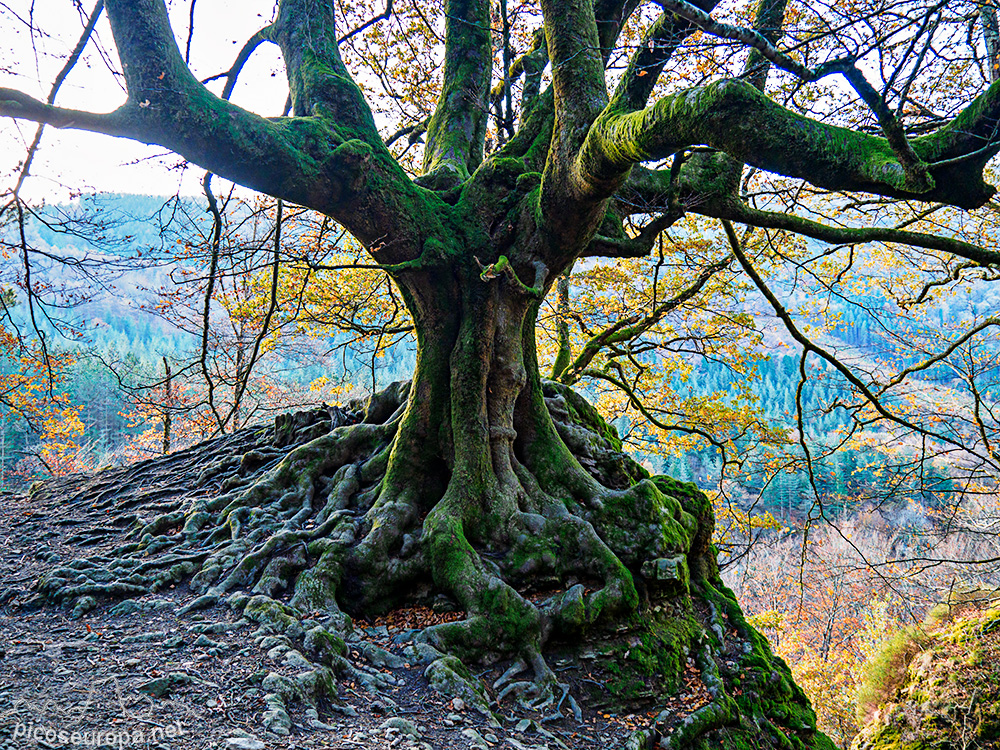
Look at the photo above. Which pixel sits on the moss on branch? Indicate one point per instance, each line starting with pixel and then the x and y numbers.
pixel 736 118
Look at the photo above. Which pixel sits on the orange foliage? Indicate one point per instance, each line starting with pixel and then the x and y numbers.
pixel 825 616
pixel 30 392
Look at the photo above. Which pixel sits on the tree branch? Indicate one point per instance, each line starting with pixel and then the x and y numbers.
pixel 611 17
pixel 629 247
pixel 384 15
pixel 991 36
pixel 231 75
pixel 736 118
pixel 324 159
pixel 809 346
pixel 319 82
pixel 456 132
pixel 569 210
pixel 990 322
pixel 25 170
pixel 750 37
pixel 634 326
pixel 577 67
pixel 857 235
pixel 23 107
pixel 650 190
pixel 412 132
pixel 265 327
pixel 719 170
pixel 641 407
pixel 769 22
pixel 213 207
pixel 531 65
pixel 658 45
pixel 918 179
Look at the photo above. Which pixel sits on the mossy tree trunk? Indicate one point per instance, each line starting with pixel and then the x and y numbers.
pixel 476 465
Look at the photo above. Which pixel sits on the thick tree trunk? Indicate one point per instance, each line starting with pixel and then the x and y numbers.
pixel 479 481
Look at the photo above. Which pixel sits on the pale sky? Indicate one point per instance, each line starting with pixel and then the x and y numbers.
pixel 76 161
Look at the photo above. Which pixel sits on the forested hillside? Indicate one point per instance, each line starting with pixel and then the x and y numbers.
pixel 113 313
pixel 119 332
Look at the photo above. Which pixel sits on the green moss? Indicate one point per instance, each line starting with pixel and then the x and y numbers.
pixel 685 492
pixel 885 673
pixel 661 651
pixel 971 629
pixel 583 413
pixel 643 524
pixel 650 658
pixel 324 645
pixel 936 685
pixel 528 181
pixel 267 611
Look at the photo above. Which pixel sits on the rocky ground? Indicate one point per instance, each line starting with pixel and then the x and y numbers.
pixel 141 673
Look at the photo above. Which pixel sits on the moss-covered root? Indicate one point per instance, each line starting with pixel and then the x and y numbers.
pixel 543 693
pixel 564 547
pixel 767 702
pixel 720 712
pixel 500 621
pixel 312 655
pixel 258 534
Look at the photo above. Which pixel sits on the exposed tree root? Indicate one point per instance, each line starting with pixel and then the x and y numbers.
pixel 303 527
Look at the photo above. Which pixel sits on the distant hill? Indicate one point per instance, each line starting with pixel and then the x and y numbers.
pixel 118 249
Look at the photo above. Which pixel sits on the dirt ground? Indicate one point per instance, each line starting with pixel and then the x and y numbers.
pixel 138 674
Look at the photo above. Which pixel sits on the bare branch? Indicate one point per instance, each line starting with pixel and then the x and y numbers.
pixel 23 107
pixel 857 235
pixel 264 35
pixel 658 44
pixel 213 207
pixel 809 346
pixel 634 326
pixel 383 16
pixel 629 247
pixel 750 37
pixel 413 132
pixel 769 23
pixel 265 328
pixel 941 356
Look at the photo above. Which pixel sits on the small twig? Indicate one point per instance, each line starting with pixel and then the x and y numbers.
pixel 916 170
pixel 753 39
pixel 414 132
pixel 384 15
pixel 503 266
pixel 213 207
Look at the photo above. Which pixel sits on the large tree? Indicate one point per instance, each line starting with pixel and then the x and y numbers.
pixel 463 477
